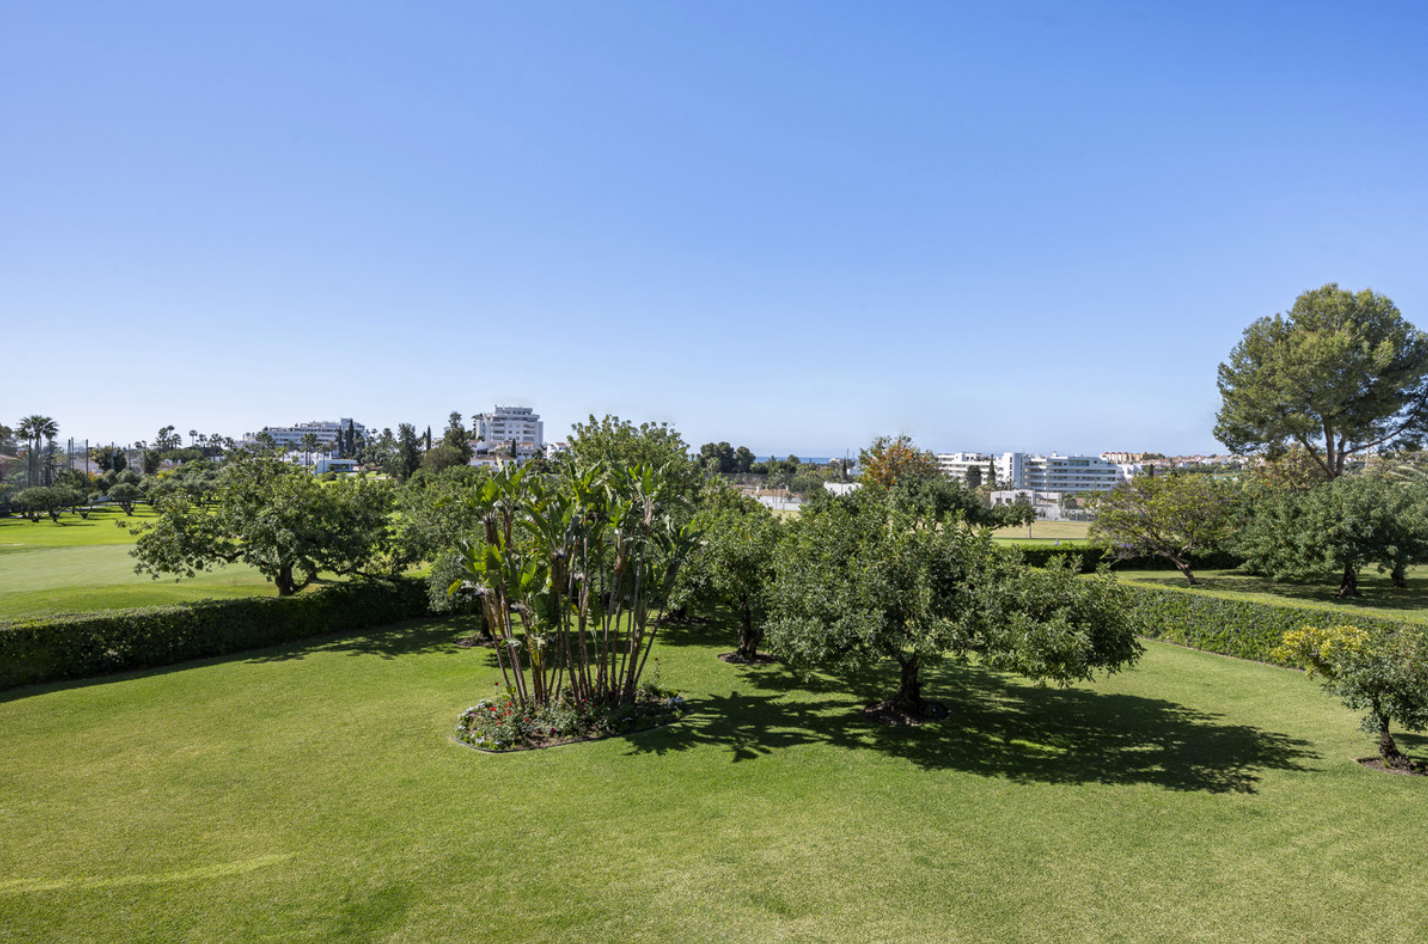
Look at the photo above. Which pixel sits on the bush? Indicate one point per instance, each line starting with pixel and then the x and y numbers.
pixel 83 645
pixel 1244 629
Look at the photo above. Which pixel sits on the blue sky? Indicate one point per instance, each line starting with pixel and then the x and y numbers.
pixel 790 225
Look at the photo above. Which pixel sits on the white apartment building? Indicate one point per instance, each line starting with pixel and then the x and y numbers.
pixel 1056 473
pixel 506 424
pixel 326 431
pixel 958 466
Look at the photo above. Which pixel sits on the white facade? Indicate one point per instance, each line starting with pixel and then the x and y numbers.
pixel 326 431
pixel 1056 473
pixel 958 466
pixel 506 424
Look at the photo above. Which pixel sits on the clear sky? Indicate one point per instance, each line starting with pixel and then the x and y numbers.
pixel 789 225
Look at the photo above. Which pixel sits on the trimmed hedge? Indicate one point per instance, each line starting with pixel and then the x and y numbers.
pixel 1088 558
pixel 50 649
pixel 1244 629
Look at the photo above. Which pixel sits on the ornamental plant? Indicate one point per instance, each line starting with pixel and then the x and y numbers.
pixel 574 573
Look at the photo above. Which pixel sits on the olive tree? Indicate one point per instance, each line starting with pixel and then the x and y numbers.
pixel 1339 527
pixel 733 564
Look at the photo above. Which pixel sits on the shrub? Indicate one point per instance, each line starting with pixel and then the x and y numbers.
pixel 1245 629
pixel 82 645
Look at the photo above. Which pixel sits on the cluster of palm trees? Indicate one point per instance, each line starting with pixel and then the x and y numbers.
pixel 33 429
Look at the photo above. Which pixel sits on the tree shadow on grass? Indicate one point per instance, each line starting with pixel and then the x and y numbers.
pixel 998 728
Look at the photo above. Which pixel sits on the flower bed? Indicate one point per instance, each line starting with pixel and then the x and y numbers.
pixel 500 723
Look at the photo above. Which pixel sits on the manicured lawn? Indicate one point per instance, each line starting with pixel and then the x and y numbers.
pixel 105 525
pixel 78 566
pixel 313 793
pixel 1042 531
pixel 1379 597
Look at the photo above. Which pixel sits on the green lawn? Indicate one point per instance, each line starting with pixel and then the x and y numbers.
pixel 314 793
pixel 79 566
pixel 1066 532
pixel 1378 596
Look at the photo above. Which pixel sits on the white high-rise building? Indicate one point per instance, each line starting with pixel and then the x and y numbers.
pixel 507 424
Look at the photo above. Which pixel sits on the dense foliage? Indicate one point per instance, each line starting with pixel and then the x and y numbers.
pixel 733 565
pixel 1245 629
pixel 1169 516
pixel 1338 527
pixel 79 646
pixel 587 559
pixel 275 517
pixel 1341 373
pixel 1382 673
pixel 867 579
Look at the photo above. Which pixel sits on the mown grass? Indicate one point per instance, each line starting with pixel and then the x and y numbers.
pixel 313 793
pixel 77 566
pixel 1378 596
pixel 1067 532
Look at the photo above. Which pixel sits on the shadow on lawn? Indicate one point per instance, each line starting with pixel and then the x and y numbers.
pixel 998 729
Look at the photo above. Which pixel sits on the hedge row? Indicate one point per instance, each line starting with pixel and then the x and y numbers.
pixel 1088 558
pixel 1242 628
pixel 81 645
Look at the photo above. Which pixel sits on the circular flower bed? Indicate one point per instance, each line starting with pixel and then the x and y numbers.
pixel 500 723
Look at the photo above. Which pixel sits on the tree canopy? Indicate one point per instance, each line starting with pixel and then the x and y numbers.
pixel 1382 673
pixel 1340 373
pixel 861 581
pixel 1169 516
pixel 1337 528
pixel 733 563
pixel 275 517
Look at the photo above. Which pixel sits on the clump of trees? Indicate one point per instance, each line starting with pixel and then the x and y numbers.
pixel 1337 527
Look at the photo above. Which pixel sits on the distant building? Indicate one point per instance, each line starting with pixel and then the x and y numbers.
pixel 505 424
pixel 1056 473
pixel 326 431
pixel 1037 473
pixel 965 467
pixel 329 464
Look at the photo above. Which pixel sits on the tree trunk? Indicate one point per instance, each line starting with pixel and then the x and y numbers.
pixel 284 581
pixel 749 637
pixel 1349 587
pixel 1388 750
pixel 909 691
pixel 1184 567
pixel 1399 576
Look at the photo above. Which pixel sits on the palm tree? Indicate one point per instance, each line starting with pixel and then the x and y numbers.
pixel 34 428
